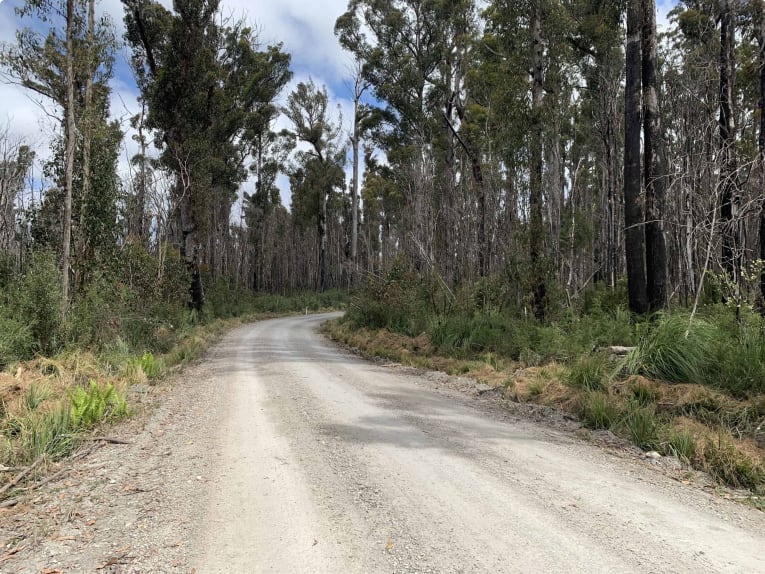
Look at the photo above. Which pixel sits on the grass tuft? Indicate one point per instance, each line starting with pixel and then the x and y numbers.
pixel 95 404
pixel 679 443
pixel 731 464
pixel 597 410
pixel 670 351
pixel 35 396
pixel 641 427
pixel 589 372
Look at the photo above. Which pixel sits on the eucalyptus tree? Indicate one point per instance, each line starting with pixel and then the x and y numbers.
pixel 412 53
pixel 729 185
pixel 319 170
pixel 69 65
pixel 633 209
pixel 210 90
pixel 654 179
pixel 533 39
pixel 270 154
pixel 597 42
pixel 761 139
pixel 15 161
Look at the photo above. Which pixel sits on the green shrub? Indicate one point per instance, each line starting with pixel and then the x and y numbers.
pixel 38 301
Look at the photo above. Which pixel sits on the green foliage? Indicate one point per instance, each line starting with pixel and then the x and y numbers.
pixel 597 410
pixel 16 341
pixel 670 350
pixel 37 300
pixel 35 396
pixel 151 366
pixel 641 426
pixel 95 404
pixel 679 443
pixel 50 433
pixel 737 363
pixel 589 372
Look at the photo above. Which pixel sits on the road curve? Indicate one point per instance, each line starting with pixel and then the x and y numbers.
pixel 326 463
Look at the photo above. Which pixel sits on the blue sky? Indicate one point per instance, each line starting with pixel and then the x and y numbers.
pixel 306 27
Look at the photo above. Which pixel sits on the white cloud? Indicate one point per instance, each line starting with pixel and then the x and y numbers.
pixel 305 28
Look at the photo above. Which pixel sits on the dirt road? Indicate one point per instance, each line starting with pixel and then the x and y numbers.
pixel 282 454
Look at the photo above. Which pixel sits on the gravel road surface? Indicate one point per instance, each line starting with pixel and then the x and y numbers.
pixel 280 453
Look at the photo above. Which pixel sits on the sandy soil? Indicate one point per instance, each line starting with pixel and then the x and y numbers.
pixel 281 453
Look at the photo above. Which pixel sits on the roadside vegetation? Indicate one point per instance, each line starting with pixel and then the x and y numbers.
pixel 60 380
pixel 694 389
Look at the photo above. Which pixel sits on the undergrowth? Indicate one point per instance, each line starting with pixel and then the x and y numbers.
pixel 56 388
pixel 690 389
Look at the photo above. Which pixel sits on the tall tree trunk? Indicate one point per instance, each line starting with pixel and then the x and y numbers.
pixel 190 251
pixel 633 210
pixel 322 230
pixel 484 249
pixel 761 143
pixel 70 135
pixel 655 245
pixel 728 168
pixel 355 185
pixel 86 128
pixel 535 176
pixel 140 224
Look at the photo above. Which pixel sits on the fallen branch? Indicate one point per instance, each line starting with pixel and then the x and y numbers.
pixel 12 552
pixel 109 439
pixel 22 475
pixel 620 351
pixel 11 502
pixel 47 480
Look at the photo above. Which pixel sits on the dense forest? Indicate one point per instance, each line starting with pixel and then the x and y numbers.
pixel 526 181
pixel 551 147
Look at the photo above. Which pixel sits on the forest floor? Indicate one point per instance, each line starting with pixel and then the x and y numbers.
pixel 281 453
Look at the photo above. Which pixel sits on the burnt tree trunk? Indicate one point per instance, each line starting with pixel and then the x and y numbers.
pixel 728 168
pixel 655 245
pixel 633 209
pixel 761 145
pixel 535 176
